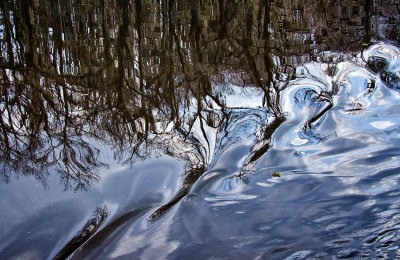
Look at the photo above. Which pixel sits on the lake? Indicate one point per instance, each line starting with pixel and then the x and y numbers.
pixel 155 129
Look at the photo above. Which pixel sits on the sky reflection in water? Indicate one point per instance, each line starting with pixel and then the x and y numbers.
pixel 215 98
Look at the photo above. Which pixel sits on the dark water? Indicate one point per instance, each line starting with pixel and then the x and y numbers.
pixel 200 129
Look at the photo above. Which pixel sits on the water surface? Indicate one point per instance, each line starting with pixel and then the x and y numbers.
pixel 180 129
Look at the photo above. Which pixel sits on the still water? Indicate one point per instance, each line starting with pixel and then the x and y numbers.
pixel 200 129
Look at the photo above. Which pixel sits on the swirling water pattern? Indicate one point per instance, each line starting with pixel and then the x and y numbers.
pixel 337 196
pixel 253 148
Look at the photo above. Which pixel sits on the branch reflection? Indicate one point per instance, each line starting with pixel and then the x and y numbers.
pixel 147 76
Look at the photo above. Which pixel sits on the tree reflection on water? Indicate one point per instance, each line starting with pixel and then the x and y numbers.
pixel 140 76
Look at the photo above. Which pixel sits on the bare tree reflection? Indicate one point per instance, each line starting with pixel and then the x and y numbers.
pixel 140 76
